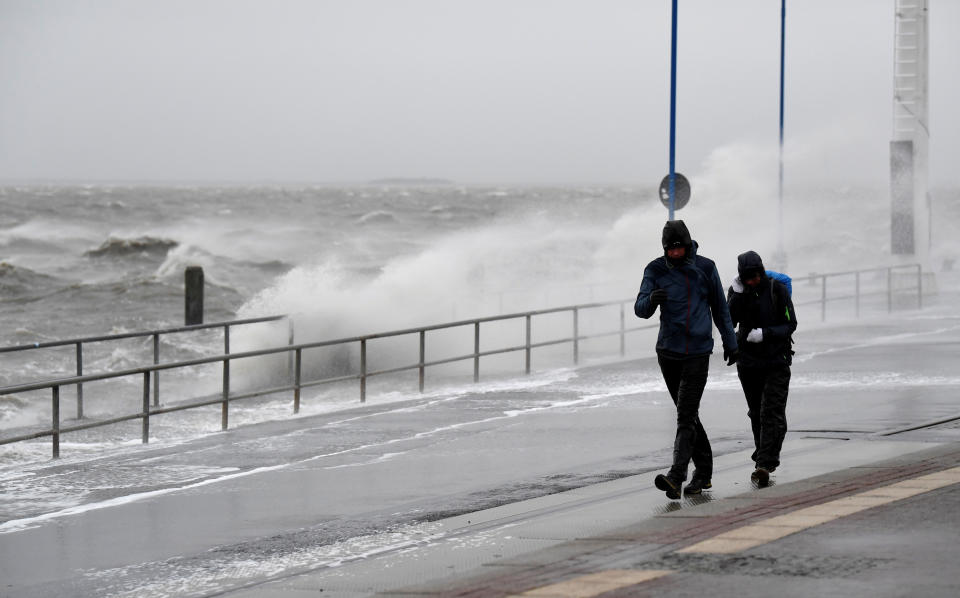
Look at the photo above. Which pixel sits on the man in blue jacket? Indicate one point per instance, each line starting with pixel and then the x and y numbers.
pixel 687 288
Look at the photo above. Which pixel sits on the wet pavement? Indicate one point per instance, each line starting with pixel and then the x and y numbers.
pixel 518 485
pixel 813 532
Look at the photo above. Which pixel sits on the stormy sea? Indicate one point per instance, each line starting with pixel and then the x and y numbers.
pixel 340 261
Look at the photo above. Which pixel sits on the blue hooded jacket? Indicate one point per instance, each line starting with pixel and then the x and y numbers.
pixel 695 300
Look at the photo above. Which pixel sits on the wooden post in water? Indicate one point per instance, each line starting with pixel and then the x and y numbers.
pixel 193 295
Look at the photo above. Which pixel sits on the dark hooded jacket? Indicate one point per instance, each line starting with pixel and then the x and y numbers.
pixel 767 306
pixel 694 302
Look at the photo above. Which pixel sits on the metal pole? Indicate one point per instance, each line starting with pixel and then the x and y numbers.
pixel 363 370
pixel 783 37
pixel 56 422
pixel 673 106
pixel 80 384
pixel 823 298
pixel 527 348
pixel 476 351
pixel 423 355
pixel 146 407
pixel 156 373
pixel 576 337
pixel 226 378
pixel 296 381
pixel 224 410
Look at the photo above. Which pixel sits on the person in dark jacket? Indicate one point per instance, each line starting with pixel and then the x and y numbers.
pixel 762 307
pixel 687 289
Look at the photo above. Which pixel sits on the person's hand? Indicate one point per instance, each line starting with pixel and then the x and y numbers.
pixel 736 285
pixel 731 356
pixel 755 336
pixel 658 296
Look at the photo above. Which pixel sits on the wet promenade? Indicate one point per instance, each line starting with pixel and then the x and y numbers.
pixel 542 487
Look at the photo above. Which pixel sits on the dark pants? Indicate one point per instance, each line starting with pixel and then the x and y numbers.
pixel 766 391
pixel 685 380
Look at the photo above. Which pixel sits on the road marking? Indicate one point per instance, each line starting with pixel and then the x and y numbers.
pixel 595 584
pixel 768 530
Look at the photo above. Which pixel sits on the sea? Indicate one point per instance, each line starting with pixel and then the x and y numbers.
pixel 91 260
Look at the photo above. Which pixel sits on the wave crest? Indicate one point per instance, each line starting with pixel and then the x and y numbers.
pixel 121 247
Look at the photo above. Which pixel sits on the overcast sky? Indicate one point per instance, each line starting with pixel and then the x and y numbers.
pixel 501 91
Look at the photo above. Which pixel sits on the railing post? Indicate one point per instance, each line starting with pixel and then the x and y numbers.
pixel 423 355
pixel 224 416
pixel 857 294
pixel 79 384
pixel 623 331
pixel 296 380
pixel 527 347
pixel 823 298
pixel 919 286
pixel 363 370
pixel 156 373
pixel 55 428
pixel 290 356
pixel 476 351
pixel 889 289
pixel 576 337
pixel 146 407
pixel 225 407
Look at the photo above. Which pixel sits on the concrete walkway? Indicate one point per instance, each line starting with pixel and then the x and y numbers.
pixel 846 518
pixel 519 485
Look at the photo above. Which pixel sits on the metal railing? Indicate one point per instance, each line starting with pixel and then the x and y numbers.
pixel 856 294
pixel 295 357
pixel 79 343
pixel 226 397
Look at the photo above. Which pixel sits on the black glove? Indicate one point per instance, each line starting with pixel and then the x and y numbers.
pixel 658 296
pixel 731 356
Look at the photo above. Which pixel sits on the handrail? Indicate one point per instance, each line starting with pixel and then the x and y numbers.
pixel 296 350
pixel 296 358
pixel 139 334
pixel 156 334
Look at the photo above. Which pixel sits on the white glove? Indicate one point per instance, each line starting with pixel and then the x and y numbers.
pixel 755 336
pixel 736 285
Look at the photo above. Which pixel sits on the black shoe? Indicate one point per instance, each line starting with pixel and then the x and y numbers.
pixel 697 485
pixel 664 483
pixel 760 477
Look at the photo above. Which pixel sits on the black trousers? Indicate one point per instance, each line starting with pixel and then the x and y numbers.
pixel 685 380
pixel 766 391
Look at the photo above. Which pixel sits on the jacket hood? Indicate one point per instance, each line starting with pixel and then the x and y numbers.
pixel 675 231
pixel 749 263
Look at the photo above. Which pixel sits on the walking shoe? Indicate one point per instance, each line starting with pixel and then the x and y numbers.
pixel 697 485
pixel 760 477
pixel 664 483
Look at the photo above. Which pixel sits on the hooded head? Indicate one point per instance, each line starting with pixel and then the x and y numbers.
pixel 676 236
pixel 750 266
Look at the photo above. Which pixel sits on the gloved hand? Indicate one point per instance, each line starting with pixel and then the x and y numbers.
pixel 731 356
pixel 736 285
pixel 755 336
pixel 658 296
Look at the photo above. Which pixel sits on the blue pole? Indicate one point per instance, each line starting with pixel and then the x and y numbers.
pixel 673 106
pixel 783 36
